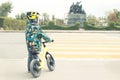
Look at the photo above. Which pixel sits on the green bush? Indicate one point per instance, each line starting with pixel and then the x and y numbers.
pixel 52 26
pixel 12 24
pixel 111 26
pixel 55 27
pixel 1 22
pixel 117 23
pixel 51 23
pixel 89 27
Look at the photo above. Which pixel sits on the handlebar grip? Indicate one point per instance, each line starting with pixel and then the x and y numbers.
pixel 52 40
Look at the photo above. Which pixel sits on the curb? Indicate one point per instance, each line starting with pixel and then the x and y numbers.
pixel 61 31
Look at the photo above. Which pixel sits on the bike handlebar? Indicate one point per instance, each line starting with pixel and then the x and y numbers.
pixel 47 42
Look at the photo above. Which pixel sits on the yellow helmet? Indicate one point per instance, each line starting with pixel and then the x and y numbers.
pixel 32 15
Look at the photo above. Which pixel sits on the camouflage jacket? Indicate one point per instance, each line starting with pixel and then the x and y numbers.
pixel 34 33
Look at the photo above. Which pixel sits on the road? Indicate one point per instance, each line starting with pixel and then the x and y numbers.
pixel 80 56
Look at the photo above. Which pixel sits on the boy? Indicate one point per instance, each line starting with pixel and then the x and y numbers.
pixel 34 33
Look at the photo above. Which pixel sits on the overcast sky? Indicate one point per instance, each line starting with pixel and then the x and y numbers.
pixel 60 8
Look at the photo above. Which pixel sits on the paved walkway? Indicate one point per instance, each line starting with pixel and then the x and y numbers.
pixel 78 56
pixel 66 45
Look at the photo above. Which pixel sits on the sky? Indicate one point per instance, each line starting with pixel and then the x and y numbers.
pixel 60 8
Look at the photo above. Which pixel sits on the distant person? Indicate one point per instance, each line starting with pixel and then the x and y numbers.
pixel 34 33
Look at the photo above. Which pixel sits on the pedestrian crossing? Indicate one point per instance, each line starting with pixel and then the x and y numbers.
pixel 86 45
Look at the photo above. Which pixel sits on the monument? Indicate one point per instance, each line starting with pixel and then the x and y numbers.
pixel 76 15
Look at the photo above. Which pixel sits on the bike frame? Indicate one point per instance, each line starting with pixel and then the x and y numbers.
pixel 42 54
pixel 39 60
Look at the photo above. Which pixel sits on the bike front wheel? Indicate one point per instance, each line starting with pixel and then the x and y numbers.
pixel 34 68
pixel 50 61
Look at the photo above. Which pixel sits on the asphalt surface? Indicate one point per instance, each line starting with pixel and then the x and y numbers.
pixel 78 56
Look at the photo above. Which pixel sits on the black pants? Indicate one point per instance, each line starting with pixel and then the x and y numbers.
pixel 30 58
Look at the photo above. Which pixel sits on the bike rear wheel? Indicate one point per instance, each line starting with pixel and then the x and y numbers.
pixel 34 68
pixel 50 61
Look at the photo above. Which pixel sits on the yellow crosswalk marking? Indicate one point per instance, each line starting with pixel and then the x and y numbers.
pixel 85 56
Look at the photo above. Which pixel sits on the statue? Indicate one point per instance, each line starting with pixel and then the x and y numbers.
pixel 76 8
pixel 76 15
pixel 72 8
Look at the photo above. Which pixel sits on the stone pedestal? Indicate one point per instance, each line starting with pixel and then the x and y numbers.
pixel 76 18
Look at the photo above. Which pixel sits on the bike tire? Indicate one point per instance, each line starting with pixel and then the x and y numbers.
pixel 35 71
pixel 50 61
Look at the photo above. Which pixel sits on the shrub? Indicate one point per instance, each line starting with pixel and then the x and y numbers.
pixel 111 26
pixel 12 24
pixel 55 27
